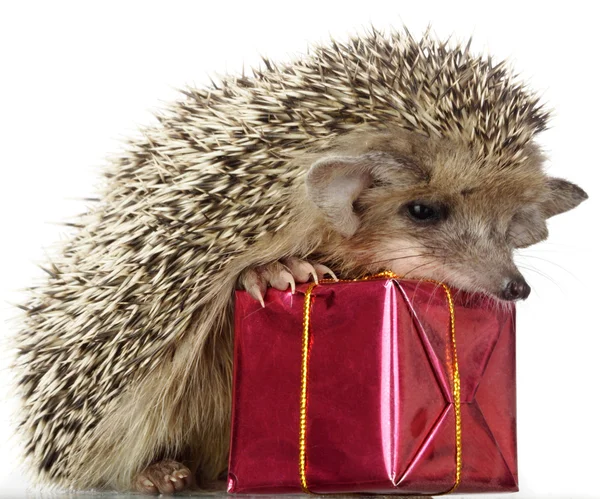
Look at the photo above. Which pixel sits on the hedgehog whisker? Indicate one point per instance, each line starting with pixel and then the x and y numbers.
pixel 551 263
pixel 418 267
pixel 543 274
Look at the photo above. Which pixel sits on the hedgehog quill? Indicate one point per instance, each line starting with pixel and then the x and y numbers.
pixel 384 152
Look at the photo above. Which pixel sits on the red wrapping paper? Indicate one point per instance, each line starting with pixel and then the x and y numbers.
pixel 380 413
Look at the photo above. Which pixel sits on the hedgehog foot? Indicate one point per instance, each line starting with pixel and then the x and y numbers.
pixel 281 275
pixel 164 477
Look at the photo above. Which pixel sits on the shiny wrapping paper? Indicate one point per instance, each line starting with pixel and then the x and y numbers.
pixel 380 416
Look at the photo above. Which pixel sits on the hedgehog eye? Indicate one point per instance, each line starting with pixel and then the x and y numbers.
pixel 425 212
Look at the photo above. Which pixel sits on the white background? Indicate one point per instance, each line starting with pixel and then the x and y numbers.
pixel 77 78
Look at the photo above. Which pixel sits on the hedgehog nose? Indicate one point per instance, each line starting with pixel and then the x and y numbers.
pixel 516 289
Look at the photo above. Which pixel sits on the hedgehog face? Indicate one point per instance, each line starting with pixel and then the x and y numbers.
pixel 429 208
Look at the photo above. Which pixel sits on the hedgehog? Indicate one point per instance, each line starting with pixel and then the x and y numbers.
pixel 382 152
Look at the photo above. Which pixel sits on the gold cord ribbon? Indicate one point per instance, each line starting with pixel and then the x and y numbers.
pixel 304 376
pixel 304 385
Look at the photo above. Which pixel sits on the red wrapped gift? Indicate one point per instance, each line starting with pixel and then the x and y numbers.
pixel 368 403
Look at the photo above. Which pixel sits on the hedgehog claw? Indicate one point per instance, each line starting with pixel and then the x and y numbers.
pixel 164 477
pixel 322 271
pixel 282 279
pixel 293 285
pixel 255 292
pixel 314 275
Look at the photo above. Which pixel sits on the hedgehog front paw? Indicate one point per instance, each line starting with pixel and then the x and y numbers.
pixel 281 275
pixel 164 477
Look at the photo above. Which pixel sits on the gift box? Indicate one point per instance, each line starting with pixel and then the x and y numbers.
pixel 376 386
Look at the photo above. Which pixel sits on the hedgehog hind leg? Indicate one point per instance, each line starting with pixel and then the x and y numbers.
pixel 179 411
pixel 164 477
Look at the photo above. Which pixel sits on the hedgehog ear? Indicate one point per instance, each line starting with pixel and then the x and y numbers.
pixel 527 227
pixel 564 196
pixel 333 184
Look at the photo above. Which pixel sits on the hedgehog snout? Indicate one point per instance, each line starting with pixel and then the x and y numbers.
pixel 515 288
